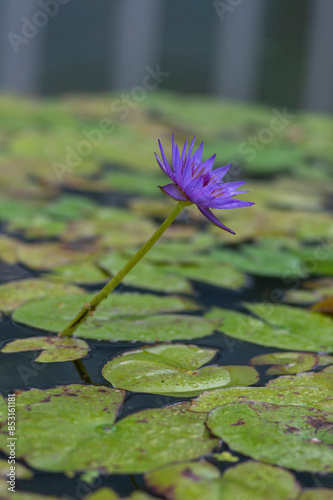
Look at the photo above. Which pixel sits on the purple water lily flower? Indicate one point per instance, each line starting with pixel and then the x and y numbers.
pixel 194 180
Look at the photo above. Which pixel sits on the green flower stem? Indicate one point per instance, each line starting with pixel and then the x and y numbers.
pixel 90 307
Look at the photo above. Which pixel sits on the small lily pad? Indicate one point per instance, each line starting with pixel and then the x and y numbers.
pixel 285 393
pixel 202 480
pixel 84 437
pixel 172 370
pixel 225 456
pixel 286 362
pixel 55 349
pixel 279 326
pixel 16 293
pixel 290 436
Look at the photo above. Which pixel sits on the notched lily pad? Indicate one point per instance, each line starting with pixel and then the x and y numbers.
pixel 16 293
pixel 198 480
pixel 120 317
pixel 279 326
pixel 55 349
pixel 287 362
pixel 172 370
pixel 84 437
pixel 289 393
pixel 289 436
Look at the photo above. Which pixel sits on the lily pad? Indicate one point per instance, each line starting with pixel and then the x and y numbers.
pixel 197 480
pixel 294 437
pixel 317 494
pixel 21 472
pixel 262 261
pixel 172 370
pixel 114 318
pixel 284 393
pixel 16 293
pixel 80 272
pixel 84 437
pixel 146 275
pixel 286 362
pixel 280 326
pixel 157 328
pixel 322 379
pixel 55 349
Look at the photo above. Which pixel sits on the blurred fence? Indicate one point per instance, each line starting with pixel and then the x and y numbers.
pixel 278 52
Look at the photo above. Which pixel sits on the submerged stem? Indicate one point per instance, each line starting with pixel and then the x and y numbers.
pixel 90 307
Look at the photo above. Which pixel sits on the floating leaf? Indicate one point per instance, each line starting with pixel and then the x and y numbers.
pixel 21 472
pixel 320 379
pixel 198 480
pixel 225 456
pixel 173 370
pixel 262 261
pixel 281 326
pixel 284 393
pixel 145 275
pixel 290 436
pixel 287 362
pixel 217 274
pixel 16 293
pixel 55 349
pixel 83 435
pixel 114 319
pixel 80 272
pixel 317 494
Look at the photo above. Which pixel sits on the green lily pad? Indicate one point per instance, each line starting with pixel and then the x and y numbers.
pixel 145 275
pixel 284 393
pixel 281 326
pixel 16 293
pixel 322 379
pixel 114 318
pixel 262 261
pixel 317 494
pixel 38 226
pixel 109 494
pixel 295 437
pixel 225 456
pixel 84 437
pixel 50 255
pixel 55 349
pixel 197 480
pixel 172 370
pixel 21 472
pixel 286 362
pixel 217 274
pixel 80 272
pixel 157 328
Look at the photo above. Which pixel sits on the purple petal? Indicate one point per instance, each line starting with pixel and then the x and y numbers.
pixel 197 156
pixel 190 148
pixel 183 153
pixel 165 162
pixel 228 203
pixel 232 185
pixel 208 164
pixel 174 192
pixel 194 185
pixel 211 217
pixel 220 172
pixel 173 150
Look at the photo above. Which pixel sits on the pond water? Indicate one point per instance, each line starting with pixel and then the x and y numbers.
pixel 221 300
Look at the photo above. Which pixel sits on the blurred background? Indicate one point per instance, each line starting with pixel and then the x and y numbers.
pixel 277 52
